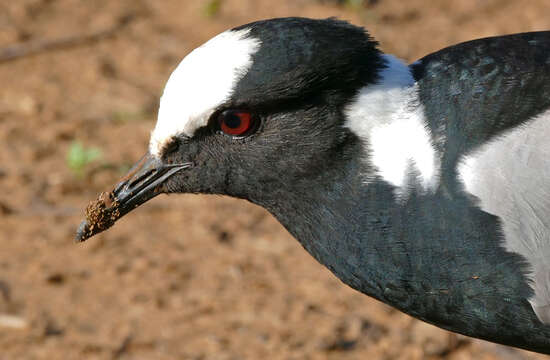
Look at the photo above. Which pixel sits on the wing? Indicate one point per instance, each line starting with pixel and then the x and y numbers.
pixel 475 90
pixel 511 178
pixel 487 104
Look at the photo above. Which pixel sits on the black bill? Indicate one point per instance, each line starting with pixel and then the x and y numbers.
pixel 142 183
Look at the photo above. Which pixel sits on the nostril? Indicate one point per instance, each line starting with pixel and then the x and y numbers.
pixel 119 187
pixel 142 178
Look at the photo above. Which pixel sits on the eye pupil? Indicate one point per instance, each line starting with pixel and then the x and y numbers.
pixel 232 120
pixel 235 122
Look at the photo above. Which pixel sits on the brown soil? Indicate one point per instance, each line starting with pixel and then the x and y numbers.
pixel 101 214
pixel 183 277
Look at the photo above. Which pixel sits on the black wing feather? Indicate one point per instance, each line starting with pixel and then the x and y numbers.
pixel 475 90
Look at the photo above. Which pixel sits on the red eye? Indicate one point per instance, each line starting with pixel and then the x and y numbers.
pixel 235 122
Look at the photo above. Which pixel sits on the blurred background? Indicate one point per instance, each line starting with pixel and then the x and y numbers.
pixel 183 277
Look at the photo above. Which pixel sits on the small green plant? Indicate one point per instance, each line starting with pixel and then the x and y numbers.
pixel 212 8
pixel 80 157
pixel 354 4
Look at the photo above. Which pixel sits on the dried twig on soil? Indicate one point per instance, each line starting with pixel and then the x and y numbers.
pixel 39 46
pixel 123 347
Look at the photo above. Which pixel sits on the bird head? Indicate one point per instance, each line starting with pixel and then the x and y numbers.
pixel 256 112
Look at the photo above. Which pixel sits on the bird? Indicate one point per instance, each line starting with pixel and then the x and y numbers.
pixel 423 185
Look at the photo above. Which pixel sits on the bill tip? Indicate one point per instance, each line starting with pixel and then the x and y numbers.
pixel 82 233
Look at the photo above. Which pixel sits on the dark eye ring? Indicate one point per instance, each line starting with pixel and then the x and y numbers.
pixel 236 122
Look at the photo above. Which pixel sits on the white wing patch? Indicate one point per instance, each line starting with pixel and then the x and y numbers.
pixel 389 117
pixel 202 81
pixel 511 178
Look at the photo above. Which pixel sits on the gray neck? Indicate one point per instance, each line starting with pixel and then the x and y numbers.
pixel 344 223
pixel 432 255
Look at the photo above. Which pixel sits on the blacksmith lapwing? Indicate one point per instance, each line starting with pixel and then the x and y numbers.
pixel 426 186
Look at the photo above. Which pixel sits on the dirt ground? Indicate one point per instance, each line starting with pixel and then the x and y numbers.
pixel 183 277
